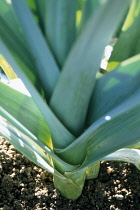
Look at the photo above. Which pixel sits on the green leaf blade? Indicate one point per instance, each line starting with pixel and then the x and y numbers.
pixel 15 41
pixel 128 43
pixel 113 88
pixel 125 155
pixel 77 80
pixel 26 112
pixel 60 27
pixel 10 124
pixel 89 7
pixel 118 129
pixel 10 25
pixel 27 147
pixel 47 68
pixel 60 135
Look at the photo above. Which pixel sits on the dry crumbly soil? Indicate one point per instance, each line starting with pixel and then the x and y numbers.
pixel 24 186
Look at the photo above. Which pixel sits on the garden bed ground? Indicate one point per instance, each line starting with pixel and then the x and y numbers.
pixel 24 186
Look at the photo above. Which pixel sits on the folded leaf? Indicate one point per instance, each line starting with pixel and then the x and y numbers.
pixel 16 40
pixel 118 129
pixel 73 90
pixel 128 43
pixel 125 155
pixel 40 12
pixel 46 66
pixel 89 7
pixel 60 27
pixel 31 139
pixel 23 108
pixel 60 135
pixel 27 147
pixel 72 186
pixel 113 88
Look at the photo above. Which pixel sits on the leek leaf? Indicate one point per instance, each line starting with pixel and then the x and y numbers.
pixel 27 147
pixel 76 82
pixel 128 43
pixel 16 40
pixel 24 109
pixel 60 27
pixel 126 155
pixel 113 88
pixel 60 135
pixel 46 66
pixel 41 10
pixel 89 7
pixel 111 132
pixel 10 25
pixel 35 141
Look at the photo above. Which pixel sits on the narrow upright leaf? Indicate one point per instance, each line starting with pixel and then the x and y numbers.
pixel 60 135
pixel 119 128
pixel 41 10
pixel 89 7
pixel 32 148
pixel 48 71
pixel 73 90
pixel 60 27
pixel 12 36
pixel 128 43
pixel 113 88
pixel 24 109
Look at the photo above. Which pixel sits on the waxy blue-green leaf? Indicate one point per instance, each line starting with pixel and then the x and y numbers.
pixel 13 37
pixel 113 88
pixel 89 7
pixel 92 171
pixel 31 139
pixel 73 90
pixel 60 135
pixel 118 129
pixel 23 108
pixel 60 27
pixel 128 43
pixel 11 33
pixel 45 64
pixel 27 147
pixel 125 155
pixel 41 10
pixel 72 186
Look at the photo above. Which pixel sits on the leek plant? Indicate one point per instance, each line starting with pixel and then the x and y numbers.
pixel 73 116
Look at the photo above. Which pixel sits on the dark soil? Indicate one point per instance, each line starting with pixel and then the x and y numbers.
pixel 24 186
